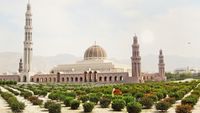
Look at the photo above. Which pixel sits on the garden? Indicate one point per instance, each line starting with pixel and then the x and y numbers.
pixel 179 97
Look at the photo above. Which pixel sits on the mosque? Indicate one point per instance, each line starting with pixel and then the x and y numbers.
pixel 94 68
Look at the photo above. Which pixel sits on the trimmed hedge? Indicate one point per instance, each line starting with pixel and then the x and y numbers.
pixel 48 103
pixel 12 91
pixel 183 109
pixel 118 104
pixel 128 99
pixel 35 100
pixel 67 101
pixel 75 104
pixel 54 108
pixel 84 98
pixel 15 105
pixel 8 82
pixel 163 105
pixel 94 99
pixel 170 100
pixel 147 102
pixel 190 100
pixel 88 106
pixel 105 102
pixel 134 107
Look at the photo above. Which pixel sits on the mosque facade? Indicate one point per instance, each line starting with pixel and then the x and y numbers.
pixel 94 68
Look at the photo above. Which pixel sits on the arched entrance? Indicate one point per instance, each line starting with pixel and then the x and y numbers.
pixel 24 79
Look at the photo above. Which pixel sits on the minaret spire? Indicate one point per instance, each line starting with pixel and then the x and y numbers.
pixel 136 61
pixel 25 77
pixel 161 66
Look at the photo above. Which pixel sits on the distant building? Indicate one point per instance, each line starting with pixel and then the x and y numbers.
pixel 187 70
pixel 93 68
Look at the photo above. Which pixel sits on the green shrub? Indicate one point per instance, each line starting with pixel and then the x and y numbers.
pixel 70 94
pixel 94 99
pixel 191 100
pixel 75 104
pixel 88 106
pixel 54 108
pixel 147 102
pixel 32 98
pixel 183 109
pixel 170 100
pixel 134 107
pixel 48 103
pixel 26 94
pixel 118 104
pixel 84 98
pixel 117 97
pixel 163 105
pixel 40 92
pixel 108 96
pixel 17 106
pixel 80 92
pixel 128 99
pixel 67 101
pixel 53 96
pixel 177 95
pixel 105 102
pixel 139 95
pixel 159 95
pixel 6 95
pixel 12 91
pixel 153 97
pixel 35 101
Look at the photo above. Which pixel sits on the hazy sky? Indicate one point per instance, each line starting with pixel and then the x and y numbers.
pixel 71 26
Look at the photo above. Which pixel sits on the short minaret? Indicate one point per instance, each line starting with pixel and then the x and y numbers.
pixel 25 77
pixel 161 66
pixel 136 61
pixel 20 66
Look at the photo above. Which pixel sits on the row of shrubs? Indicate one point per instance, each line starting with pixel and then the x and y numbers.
pixel 28 95
pixel 15 105
pixel 188 102
pixel 8 82
pixel 11 90
pixel 38 90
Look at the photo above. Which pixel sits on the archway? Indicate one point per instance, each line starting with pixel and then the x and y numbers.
pixel 37 80
pixel 24 79
pixel 105 79
pixel 121 78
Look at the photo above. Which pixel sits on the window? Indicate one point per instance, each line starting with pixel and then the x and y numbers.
pixel 100 79
pixel 115 78
pixel 110 79
pixel 76 79
pixel 105 79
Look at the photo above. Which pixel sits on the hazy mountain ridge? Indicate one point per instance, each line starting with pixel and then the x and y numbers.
pixel 9 62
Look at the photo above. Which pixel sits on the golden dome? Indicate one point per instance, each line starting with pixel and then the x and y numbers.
pixel 95 52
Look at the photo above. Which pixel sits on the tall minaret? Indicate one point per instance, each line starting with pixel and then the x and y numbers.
pixel 136 64
pixel 27 46
pixel 161 66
